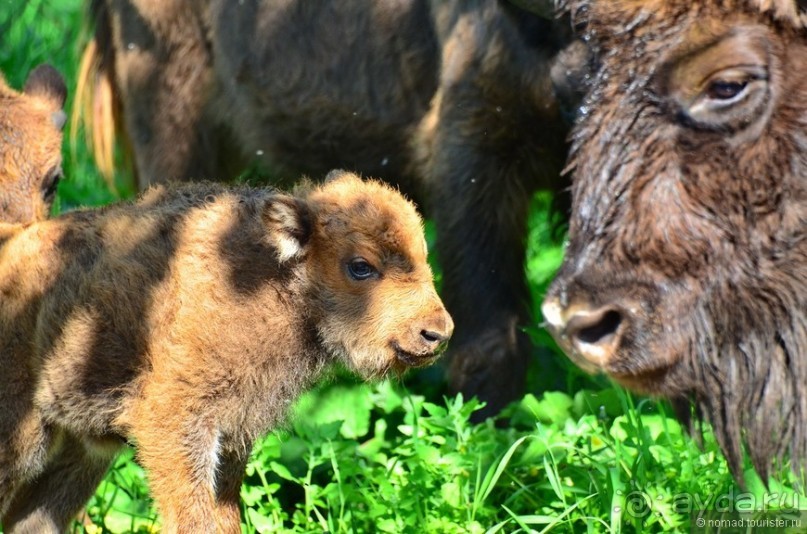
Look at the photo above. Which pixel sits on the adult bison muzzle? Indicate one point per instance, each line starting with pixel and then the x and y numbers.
pixel 451 100
pixel 686 268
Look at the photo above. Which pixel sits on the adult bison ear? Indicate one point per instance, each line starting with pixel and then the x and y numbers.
pixel 288 222
pixel 46 84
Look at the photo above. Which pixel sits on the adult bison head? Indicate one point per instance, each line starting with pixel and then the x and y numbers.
pixel 686 268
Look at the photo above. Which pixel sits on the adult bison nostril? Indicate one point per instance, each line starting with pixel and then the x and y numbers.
pixel 594 327
pixel 595 334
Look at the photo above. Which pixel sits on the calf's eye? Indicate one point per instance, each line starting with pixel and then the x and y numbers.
pixel 51 183
pixel 360 269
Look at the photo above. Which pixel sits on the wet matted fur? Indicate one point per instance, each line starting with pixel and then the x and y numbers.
pixel 686 270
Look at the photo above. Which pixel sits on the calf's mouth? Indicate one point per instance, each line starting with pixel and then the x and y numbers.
pixel 413 359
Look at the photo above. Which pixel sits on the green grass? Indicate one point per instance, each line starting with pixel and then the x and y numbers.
pixel 380 458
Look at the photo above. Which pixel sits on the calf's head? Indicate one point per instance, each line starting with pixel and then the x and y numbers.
pixel 30 145
pixel 686 269
pixel 371 295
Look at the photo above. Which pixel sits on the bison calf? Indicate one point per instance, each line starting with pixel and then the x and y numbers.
pixel 186 323
pixel 30 145
pixel 686 271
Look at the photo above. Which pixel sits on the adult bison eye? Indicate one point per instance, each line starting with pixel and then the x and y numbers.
pixel 731 99
pixel 723 87
pixel 726 90
pixel 360 269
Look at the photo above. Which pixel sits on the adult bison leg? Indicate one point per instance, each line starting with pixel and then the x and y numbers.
pixel 493 135
pixel 164 79
pixel 480 239
pixel 486 162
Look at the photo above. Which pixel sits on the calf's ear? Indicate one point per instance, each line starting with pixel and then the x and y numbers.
pixel 46 84
pixel 289 222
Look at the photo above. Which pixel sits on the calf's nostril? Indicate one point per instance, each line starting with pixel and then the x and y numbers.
pixel 431 337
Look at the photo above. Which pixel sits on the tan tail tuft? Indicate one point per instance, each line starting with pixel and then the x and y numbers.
pixel 95 108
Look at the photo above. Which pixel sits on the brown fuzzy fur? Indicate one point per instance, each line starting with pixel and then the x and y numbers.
pixel 185 324
pixel 450 100
pixel 30 145
pixel 686 271
pixel 792 11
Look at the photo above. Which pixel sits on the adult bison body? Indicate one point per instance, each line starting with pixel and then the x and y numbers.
pixel 686 269
pixel 451 100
